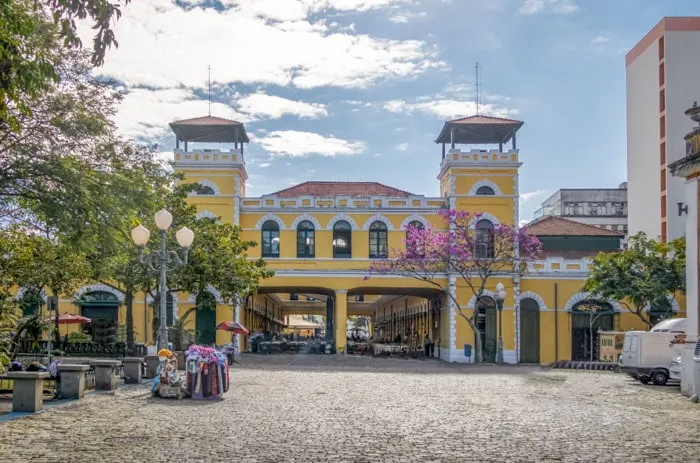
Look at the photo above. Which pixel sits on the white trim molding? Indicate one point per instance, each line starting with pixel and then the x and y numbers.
pixel 205 214
pixel 265 218
pixel 485 216
pixel 215 292
pixel 23 290
pixel 340 217
pixel 100 287
pixel 472 301
pixel 210 184
pixel 488 183
pixel 380 218
pixel 534 296
pixel 414 218
pixel 578 297
pixel 303 217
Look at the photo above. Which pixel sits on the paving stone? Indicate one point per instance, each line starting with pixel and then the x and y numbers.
pixel 353 409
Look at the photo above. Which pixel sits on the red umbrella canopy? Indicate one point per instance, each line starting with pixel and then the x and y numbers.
pixel 70 319
pixel 232 326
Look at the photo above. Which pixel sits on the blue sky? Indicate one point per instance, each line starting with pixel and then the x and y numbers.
pixel 357 90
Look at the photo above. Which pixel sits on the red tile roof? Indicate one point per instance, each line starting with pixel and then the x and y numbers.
pixel 558 226
pixel 330 189
pixel 206 120
pixel 480 119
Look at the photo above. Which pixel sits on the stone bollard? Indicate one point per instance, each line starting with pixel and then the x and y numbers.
pixel 151 366
pixel 132 370
pixel 105 374
pixel 27 390
pixel 73 380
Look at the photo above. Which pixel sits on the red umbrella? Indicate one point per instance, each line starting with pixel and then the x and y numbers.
pixel 232 326
pixel 69 319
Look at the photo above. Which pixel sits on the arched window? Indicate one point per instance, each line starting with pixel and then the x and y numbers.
pixel 205 190
pixel 417 224
pixel 305 239
pixel 270 239
pixel 31 302
pixel 485 191
pixel 378 240
pixel 342 240
pixel 484 239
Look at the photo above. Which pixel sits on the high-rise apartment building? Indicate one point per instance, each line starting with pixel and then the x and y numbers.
pixel 663 80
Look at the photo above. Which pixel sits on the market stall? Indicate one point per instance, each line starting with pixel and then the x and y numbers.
pixel 167 382
pixel 207 373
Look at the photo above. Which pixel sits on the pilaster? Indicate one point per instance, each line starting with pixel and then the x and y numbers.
pixel 341 317
pixel 692 191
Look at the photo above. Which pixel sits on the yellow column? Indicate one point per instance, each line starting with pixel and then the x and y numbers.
pixel 341 318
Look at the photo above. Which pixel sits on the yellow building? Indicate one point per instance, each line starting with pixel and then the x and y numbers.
pixel 321 237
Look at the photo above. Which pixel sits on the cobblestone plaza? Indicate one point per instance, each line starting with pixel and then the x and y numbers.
pixel 322 408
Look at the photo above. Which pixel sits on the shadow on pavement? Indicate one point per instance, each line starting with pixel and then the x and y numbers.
pixel 352 363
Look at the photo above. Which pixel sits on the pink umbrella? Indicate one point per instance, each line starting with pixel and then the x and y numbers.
pixel 232 326
pixel 69 319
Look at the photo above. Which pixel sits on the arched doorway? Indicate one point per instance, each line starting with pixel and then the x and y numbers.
pixel 102 308
pixel 529 331
pixel 205 321
pixel 486 324
pixel 587 318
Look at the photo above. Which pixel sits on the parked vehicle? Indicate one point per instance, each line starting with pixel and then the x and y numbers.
pixel 647 355
pixel 671 325
pixel 676 368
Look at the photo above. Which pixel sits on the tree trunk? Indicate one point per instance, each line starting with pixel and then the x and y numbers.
pixel 478 352
pixel 129 301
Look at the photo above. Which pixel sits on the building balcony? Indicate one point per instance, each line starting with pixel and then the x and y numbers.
pixel 210 157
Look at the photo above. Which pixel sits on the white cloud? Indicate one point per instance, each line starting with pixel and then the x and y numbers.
pixel 255 41
pixel 448 109
pixel 146 113
pixel 406 16
pixel 271 106
pixel 402 147
pixel 530 7
pixel 532 195
pixel 296 143
pixel 265 164
pixel 600 39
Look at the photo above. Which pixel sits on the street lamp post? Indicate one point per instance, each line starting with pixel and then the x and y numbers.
pixel 159 261
pixel 500 296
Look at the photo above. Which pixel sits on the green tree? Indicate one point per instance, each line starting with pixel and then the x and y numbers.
pixel 644 277
pixel 33 34
pixel 218 258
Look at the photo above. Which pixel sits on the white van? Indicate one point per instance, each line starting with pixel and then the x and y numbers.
pixel 647 356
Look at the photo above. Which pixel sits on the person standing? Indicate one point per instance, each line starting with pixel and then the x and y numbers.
pixel 426 344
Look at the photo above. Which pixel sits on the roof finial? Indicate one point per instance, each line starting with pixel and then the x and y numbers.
pixel 209 86
pixel 478 89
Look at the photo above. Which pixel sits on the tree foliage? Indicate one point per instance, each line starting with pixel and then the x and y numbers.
pixel 33 35
pixel 473 255
pixel 644 277
pixel 218 258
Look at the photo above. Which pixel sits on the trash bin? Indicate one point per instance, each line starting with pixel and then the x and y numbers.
pixel 468 350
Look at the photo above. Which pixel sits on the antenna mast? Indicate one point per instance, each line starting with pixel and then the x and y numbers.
pixel 209 87
pixel 478 89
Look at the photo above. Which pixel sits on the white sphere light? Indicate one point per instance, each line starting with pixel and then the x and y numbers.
pixel 163 219
pixel 184 237
pixel 500 292
pixel 140 235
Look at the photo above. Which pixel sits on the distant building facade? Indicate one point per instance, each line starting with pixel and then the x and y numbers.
pixel 662 82
pixel 604 208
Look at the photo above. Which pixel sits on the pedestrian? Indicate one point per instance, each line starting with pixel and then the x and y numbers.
pixel 426 344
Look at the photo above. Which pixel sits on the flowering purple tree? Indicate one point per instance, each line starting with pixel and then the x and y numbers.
pixel 471 247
